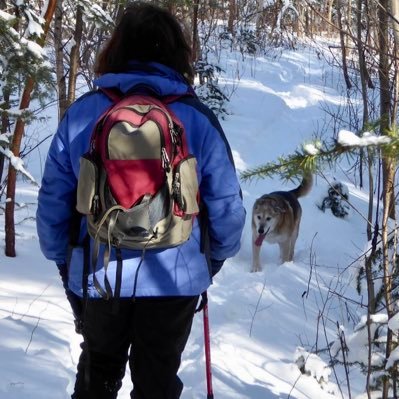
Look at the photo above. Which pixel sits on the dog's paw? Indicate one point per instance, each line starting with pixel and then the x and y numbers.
pixel 256 269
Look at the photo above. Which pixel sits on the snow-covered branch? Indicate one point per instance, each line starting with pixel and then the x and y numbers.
pixel 17 163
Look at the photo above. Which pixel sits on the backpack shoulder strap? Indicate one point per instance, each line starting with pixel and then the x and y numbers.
pixel 113 94
pixel 172 98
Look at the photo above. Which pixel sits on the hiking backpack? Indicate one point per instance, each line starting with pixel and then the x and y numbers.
pixel 138 183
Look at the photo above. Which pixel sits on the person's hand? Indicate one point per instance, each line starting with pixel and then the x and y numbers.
pixel 63 271
pixel 216 265
pixel 74 300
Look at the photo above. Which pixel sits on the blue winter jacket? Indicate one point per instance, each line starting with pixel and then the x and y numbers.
pixel 178 271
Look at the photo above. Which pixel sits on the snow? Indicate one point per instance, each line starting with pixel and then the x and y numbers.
pixel 348 139
pixel 4 138
pixel 286 6
pixel 35 24
pixel 99 12
pixel 393 357
pixel 34 48
pixel 17 163
pixel 6 16
pixel 312 148
pixel 266 326
pixel 393 323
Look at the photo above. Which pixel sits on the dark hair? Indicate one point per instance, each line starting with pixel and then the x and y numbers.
pixel 146 33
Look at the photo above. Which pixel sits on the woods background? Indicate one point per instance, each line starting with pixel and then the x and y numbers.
pixel 47 53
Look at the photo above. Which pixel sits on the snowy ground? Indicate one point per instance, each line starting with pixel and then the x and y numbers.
pixel 259 321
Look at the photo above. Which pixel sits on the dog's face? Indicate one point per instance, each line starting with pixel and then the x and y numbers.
pixel 267 213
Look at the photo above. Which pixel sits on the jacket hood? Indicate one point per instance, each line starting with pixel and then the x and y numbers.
pixel 160 78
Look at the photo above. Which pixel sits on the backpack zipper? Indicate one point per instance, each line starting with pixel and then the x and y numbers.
pixel 174 133
pixel 165 159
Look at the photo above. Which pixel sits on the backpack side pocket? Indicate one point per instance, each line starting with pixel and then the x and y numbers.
pixel 87 191
pixel 186 186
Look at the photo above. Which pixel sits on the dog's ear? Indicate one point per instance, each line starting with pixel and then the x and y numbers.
pixel 268 199
pixel 257 205
pixel 263 201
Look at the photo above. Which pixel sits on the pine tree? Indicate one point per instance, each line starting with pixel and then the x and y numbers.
pixel 24 75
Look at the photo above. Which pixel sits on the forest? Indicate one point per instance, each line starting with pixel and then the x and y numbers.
pixel 47 54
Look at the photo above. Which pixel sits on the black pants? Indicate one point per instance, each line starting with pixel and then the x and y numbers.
pixel 150 333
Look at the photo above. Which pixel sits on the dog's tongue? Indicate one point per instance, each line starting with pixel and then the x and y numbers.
pixel 259 240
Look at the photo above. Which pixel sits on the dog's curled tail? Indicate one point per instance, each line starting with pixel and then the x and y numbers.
pixel 304 187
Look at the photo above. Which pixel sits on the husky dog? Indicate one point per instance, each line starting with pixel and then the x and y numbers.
pixel 276 218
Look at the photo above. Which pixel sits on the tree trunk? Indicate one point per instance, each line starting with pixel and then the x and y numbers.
pixel 385 103
pixel 388 170
pixel 371 304
pixel 300 20
pixel 364 76
pixel 196 53
pixel 259 16
pixel 4 116
pixel 387 279
pixel 4 127
pixel 75 55
pixel 329 15
pixel 59 60
pixel 343 47
pixel 395 21
pixel 16 144
pixel 395 26
pixel 348 19
pixel 308 23
pixel 232 16
pixel 363 82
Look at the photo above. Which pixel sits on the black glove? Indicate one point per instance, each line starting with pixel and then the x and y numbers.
pixel 216 265
pixel 63 270
pixel 74 300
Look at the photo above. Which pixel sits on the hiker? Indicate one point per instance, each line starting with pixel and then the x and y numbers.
pixel 149 329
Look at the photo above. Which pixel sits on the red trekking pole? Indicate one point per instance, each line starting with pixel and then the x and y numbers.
pixel 207 348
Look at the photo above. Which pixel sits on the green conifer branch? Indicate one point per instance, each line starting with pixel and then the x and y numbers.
pixel 302 162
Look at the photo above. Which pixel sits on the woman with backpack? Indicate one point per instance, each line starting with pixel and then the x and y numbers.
pixel 148 323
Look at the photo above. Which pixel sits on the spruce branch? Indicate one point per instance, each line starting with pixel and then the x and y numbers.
pixel 314 156
pixel 300 162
